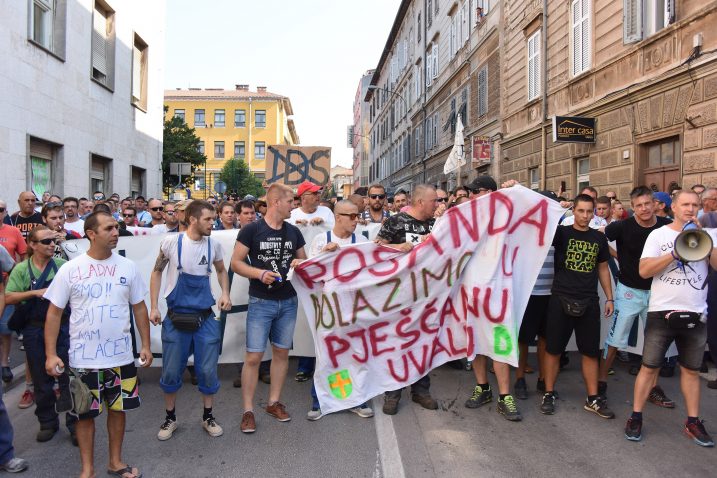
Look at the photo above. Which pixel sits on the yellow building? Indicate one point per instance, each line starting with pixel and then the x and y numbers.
pixel 232 123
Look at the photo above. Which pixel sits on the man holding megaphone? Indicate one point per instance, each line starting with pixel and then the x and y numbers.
pixel 676 257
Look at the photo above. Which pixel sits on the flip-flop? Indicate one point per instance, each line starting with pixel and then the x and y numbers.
pixel 121 472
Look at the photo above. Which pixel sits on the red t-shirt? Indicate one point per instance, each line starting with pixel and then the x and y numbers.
pixel 11 239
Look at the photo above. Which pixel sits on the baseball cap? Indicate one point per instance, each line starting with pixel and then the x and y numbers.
pixel 307 187
pixel 663 197
pixel 549 195
pixel 250 197
pixel 483 182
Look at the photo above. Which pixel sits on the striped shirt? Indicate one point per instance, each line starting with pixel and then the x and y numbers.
pixel 545 278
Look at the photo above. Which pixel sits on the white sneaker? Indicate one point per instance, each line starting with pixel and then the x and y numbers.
pixel 363 411
pixel 212 427
pixel 15 465
pixel 166 430
pixel 314 415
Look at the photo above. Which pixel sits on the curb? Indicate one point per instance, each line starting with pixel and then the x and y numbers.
pixel 18 375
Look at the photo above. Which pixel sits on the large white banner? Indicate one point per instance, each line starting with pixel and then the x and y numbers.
pixel 143 250
pixel 381 319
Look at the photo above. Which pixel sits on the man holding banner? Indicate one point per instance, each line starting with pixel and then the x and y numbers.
pixel 273 246
pixel 406 230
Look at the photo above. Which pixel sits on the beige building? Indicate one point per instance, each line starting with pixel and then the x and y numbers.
pixel 645 70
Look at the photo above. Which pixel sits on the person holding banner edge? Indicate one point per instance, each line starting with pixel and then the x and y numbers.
pixel 273 246
pixel 404 230
pixel 191 324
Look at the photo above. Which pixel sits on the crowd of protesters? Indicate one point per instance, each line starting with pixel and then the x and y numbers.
pixel 633 268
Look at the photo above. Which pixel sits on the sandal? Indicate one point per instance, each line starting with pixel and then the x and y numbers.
pixel 124 472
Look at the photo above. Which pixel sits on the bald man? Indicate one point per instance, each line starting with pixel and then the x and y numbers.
pixel 26 218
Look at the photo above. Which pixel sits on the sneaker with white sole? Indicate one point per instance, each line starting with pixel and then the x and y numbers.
pixel 167 429
pixel 364 411
pixel 212 427
pixel 15 465
pixel 314 414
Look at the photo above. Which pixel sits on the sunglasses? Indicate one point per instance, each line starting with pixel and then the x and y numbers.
pixel 160 208
pixel 53 204
pixel 128 215
pixel 98 198
pixel 2 210
pixel 441 199
pixel 47 242
pixel 377 196
pixel 351 215
pixel 169 213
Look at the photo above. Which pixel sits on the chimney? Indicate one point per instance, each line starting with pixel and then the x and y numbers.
pixel 242 87
pixel 261 89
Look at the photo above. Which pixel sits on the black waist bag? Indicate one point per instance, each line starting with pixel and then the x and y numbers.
pixel 574 307
pixel 187 321
pixel 683 319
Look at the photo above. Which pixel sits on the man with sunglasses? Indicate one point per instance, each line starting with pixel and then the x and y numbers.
pixel 54 218
pixel 155 210
pixel 129 216
pixel 71 205
pixel 347 218
pixel 404 230
pixel 376 211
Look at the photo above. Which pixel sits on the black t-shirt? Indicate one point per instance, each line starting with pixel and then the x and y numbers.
pixel 24 224
pixel 403 227
pixel 272 250
pixel 577 255
pixel 630 238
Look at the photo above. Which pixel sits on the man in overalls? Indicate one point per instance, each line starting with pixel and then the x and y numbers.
pixel 190 323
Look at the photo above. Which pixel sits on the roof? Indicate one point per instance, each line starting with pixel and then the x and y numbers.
pixel 219 94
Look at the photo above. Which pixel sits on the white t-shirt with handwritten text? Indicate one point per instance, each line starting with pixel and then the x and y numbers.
pixel 322 211
pixel 194 258
pixel 676 288
pixel 99 294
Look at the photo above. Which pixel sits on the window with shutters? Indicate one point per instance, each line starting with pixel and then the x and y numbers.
pixel 417 80
pixel 239 149
pixel 434 69
pixel 260 118
pixel 465 21
pixel 534 174
pixel 417 141
pixel 533 65
pixel 437 3
pixel 219 150
pixel 453 38
pixel 200 147
pixel 42 155
pixel 47 25
pixel 419 28
pixel 482 9
pixel 581 34
pixel 259 150
pixel 103 44
pixel 137 181
pixel 219 118
pixel 179 114
pixel 435 129
pixel 140 53
pixel 429 132
pixel 429 66
pixel 642 18
pixel 199 119
pixel 429 13
pixel 582 173
pixel 239 118
pixel 483 91
pixel 100 174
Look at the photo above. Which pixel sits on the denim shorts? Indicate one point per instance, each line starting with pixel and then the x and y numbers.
pixel 270 320
pixel 629 304
pixel 7 313
pixel 658 337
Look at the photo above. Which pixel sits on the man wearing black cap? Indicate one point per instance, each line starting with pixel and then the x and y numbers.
pixel 482 393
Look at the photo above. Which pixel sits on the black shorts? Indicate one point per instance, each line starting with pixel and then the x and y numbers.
pixel 560 326
pixel 534 319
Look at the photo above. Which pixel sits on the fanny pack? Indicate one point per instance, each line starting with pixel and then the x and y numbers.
pixel 188 321
pixel 78 398
pixel 683 319
pixel 574 307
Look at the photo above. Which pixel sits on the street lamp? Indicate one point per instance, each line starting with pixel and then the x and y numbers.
pixel 394 93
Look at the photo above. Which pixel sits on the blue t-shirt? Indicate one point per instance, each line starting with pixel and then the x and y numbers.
pixel 272 250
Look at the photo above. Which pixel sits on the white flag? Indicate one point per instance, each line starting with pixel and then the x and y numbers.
pixel 457 157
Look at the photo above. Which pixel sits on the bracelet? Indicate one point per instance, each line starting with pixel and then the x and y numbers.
pixel 261 277
pixel 609 300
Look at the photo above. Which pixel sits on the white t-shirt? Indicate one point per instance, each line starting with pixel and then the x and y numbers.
pixel 673 288
pixel 320 241
pixel 322 211
pixel 194 257
pixel 77 226
pixel 99 294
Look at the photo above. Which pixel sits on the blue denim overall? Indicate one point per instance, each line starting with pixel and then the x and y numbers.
pixel 192 293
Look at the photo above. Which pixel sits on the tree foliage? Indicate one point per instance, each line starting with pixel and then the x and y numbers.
pixel 181 145
pixel 239 178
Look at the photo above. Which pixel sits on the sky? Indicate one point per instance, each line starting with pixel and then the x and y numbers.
pixel 313 51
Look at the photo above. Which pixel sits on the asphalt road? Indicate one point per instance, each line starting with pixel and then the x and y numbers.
pixel 452 441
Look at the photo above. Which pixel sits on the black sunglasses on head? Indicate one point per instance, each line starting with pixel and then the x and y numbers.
pixel 377 196
pixel 160 208
pixel 47 242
